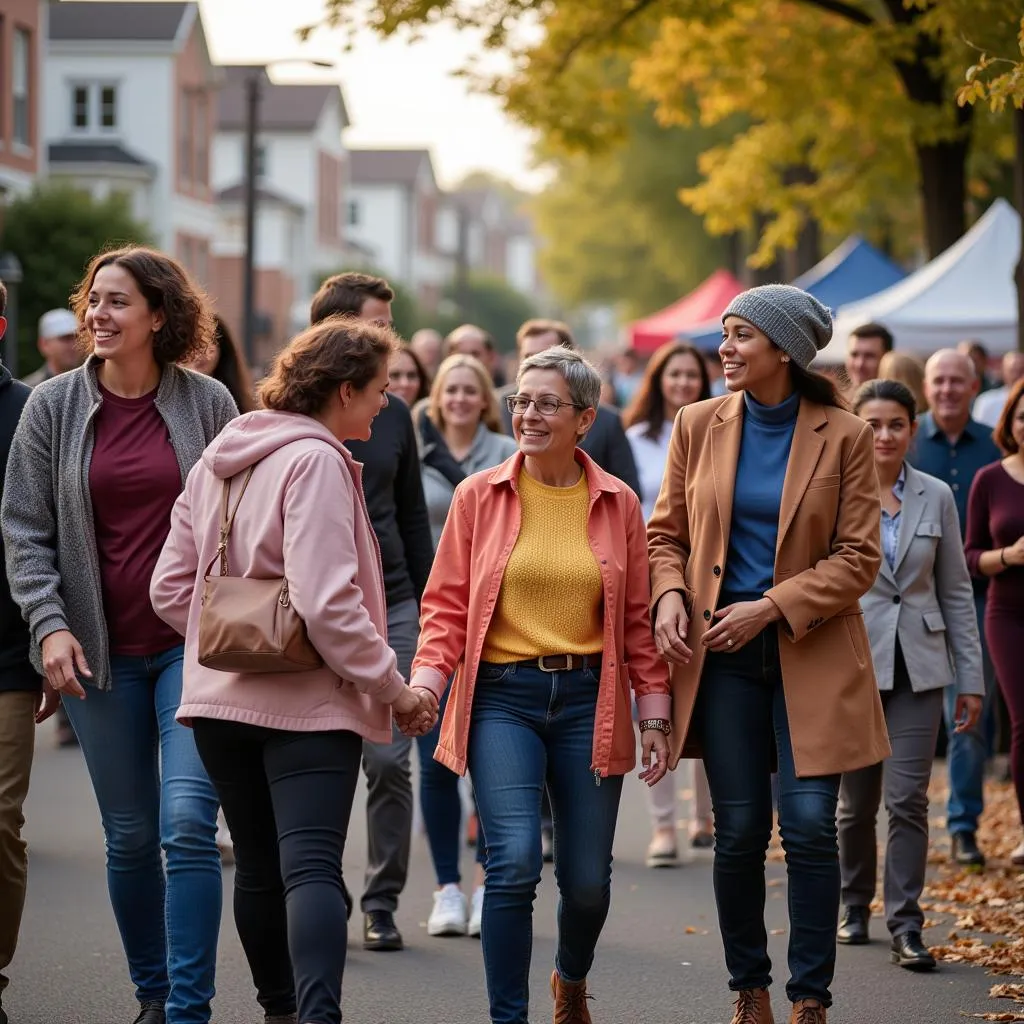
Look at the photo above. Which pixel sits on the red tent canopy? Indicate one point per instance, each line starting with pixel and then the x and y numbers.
pixel 706 302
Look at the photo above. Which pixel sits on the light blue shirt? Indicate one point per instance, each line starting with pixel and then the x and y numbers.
pixel 891 523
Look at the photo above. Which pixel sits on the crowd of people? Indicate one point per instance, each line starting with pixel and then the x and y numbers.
pixel 242 598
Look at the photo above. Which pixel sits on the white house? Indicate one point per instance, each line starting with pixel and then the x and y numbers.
pixel 393 210
pixel 129 106
pixel 301 175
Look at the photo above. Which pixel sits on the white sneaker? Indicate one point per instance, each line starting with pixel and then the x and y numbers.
pixel 476 914
pixel 449 914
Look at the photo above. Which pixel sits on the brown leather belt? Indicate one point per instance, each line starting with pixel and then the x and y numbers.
pixel 564 662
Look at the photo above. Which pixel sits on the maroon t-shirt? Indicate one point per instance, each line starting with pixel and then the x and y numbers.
pixel 134 480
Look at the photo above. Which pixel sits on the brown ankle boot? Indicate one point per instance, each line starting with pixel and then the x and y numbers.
pixel 753 1006
pixel 808 1011
pixel 570 1001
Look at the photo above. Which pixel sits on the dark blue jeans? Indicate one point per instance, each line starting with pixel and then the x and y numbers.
pixel 530 729
pixel 966 752
pixel 153 792
pixel 442 807
pixel 741 715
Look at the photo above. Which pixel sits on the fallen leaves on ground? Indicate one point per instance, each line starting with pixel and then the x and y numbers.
pixel 988 905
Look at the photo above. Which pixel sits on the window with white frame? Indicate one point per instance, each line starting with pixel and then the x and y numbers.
pixel 21 77
pixel 94 107
pixel 353 213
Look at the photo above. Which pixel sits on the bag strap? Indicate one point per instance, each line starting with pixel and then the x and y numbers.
pixel 227 520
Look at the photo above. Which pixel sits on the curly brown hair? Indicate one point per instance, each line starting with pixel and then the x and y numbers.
pixel 188 327
pixel 318 361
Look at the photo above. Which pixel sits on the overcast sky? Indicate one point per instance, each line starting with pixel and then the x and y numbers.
pixel 397 93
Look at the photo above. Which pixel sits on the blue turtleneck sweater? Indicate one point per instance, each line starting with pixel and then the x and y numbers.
pixel 760 474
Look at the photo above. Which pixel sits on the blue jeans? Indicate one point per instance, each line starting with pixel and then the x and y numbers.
pixel 966 752
pixel 153 793
pixel 532 729
pixel 442 807
pixel 741 716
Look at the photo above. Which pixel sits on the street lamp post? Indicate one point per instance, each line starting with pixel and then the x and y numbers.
pixel 252 116
pixel 252 126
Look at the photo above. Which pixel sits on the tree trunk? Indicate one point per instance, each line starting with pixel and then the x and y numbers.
pixel 943 193
pixel 1018 201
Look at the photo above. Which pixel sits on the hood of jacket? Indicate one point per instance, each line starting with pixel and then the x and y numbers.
pixel 252 437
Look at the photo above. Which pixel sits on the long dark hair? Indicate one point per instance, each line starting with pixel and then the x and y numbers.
pixel 648 405
pixel 425 382
pixel 230 368
pixel 816 387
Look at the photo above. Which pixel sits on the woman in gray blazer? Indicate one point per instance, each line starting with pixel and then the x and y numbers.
pixel 924 636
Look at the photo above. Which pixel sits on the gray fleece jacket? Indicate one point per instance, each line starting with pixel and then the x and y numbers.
pixel 46 514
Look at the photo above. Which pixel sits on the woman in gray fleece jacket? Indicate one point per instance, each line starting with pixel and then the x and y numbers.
pixel 97 462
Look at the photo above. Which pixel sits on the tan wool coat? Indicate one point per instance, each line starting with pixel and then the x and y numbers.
pixel 827 556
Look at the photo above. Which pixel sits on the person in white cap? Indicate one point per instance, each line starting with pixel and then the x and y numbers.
pixel 58 345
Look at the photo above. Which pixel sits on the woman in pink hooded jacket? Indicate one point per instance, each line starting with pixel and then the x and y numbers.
pixel 283 751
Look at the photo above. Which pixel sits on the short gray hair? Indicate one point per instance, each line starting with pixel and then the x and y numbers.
pixel 582 380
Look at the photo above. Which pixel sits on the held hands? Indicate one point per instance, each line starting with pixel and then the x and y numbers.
pixel 968 711
pixel 49 701
pixel 63 658
pixel 738 624
pixel 654 757
pixel 671 625
pixel 415 711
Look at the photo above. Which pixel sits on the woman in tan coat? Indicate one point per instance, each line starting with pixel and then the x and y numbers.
pixel 763 539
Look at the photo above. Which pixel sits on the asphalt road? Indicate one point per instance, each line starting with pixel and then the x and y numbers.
pixel 659 961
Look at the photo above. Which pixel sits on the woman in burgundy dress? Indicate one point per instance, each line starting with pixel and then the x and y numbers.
pixel 995 548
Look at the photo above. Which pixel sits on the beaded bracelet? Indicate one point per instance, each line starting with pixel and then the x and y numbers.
pixel 660 724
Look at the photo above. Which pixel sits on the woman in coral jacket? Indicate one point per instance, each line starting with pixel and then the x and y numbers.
pixel 763 539
pixel 538 598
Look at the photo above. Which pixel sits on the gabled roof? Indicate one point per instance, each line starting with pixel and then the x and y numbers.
pixel 157 21
pixel 236 194
pixel 388 166
pixel 93 153
pixel 283 106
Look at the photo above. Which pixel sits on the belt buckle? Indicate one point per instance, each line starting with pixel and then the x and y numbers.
pixel 566 666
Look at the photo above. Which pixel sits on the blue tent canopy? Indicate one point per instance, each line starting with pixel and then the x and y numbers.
pixel 851 272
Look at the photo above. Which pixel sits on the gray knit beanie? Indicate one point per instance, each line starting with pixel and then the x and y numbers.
pixel 796 321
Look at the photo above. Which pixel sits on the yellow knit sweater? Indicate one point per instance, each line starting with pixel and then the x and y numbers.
pixel 551 594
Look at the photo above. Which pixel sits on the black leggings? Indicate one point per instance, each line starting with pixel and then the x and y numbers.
pixel 287 798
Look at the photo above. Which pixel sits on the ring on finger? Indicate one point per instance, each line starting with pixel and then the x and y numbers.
pixel 729 642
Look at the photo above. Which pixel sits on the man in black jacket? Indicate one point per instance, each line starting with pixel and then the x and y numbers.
pixel 394 499
pixel 606 442
pixel 19 703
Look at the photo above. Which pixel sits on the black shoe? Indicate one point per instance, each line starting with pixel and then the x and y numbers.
pixel 909 951
pixel 853 928
pixel 380 933
pixel 151 1013
pixel 964 851
pixel 3 1016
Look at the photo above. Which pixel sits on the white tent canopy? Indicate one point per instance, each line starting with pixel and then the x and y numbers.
pixel 966 292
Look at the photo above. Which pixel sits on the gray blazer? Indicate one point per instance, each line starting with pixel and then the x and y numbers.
pixel 927 600
pixel 52 561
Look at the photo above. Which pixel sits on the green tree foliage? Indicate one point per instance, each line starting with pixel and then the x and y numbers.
pixel 849 105
pixel 55 230
pixel 614 229
pixel 996 79
pixel 487 301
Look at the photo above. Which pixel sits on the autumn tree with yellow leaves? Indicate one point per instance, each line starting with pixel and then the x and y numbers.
pixel 848 104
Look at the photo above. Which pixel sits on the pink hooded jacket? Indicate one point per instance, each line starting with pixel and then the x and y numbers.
pixel 302 517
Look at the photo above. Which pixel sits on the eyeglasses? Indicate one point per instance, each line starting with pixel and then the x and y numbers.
pixel 546 405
